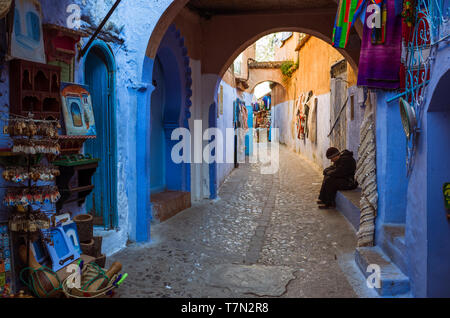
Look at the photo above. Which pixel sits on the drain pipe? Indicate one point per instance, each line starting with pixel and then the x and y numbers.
pixel 100 27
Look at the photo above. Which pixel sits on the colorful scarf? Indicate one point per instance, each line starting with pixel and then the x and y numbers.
pixel 347 14
pixel 379 65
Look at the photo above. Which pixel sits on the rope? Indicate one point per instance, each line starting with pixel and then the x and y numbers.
pixel 31 283
pixel 99 274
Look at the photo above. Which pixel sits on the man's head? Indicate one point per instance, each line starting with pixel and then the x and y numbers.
pixel 333 154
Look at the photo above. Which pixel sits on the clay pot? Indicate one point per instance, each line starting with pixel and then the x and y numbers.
pixel 46 282
pixel 88 247
pixel 101 261
pixel 97 246
pixel 85 227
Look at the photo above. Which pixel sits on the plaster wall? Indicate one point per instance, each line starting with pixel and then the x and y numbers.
pixel 427 230
pixel 315 58
pixel 225 121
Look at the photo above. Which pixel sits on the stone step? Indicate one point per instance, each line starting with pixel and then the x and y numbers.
pixel 393 282
pixel 347 202
pixel 169 203
pixel 394 245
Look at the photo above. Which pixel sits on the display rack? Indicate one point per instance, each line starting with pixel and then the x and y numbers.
pixel 32 139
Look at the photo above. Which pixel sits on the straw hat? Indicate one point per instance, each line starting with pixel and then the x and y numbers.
pixel 4 7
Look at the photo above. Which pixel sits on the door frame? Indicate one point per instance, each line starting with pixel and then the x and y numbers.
pixel 111 67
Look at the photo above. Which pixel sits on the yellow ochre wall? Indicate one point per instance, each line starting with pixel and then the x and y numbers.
pixel 315 60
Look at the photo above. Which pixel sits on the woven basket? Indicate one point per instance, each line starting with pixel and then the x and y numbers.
pixel 88 273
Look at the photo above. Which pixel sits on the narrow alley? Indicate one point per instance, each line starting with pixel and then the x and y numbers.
pixel 265 236
pixel 224 149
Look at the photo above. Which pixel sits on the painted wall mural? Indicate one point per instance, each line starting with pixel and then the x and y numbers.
pixel 27 41
pixel 77 110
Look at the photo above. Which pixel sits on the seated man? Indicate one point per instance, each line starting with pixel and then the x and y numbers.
pixel 339 176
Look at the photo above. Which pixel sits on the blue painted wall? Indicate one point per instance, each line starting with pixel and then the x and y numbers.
pixel 391 167
pixel 438 234
pixel 427 230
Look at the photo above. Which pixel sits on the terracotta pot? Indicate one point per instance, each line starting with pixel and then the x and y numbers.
pixel 85 227
pixel 101 260
pixel 97 246
pixel 88 247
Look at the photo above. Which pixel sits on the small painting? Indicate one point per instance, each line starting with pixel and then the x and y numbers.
pixel 27 41
pixel 77 110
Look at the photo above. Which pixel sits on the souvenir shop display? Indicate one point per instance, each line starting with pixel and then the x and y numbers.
pixel 35 88
pixel 31 199
pixel 75 181
pixel 6 269
pixel 26 36
pixel 263 118
pixel 77 110
pixel 96 282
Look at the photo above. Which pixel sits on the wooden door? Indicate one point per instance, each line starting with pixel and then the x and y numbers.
pixel 102 202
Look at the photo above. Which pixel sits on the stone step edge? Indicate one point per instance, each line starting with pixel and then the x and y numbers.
pixel 393 280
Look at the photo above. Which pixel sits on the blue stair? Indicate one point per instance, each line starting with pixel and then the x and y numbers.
pixel 392 280
pixel 394 246
pixel 347 202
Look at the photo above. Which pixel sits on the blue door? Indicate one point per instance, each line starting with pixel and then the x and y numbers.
pixel 157 135
pixel 100 78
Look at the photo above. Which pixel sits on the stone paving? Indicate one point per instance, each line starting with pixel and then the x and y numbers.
pixel 264 236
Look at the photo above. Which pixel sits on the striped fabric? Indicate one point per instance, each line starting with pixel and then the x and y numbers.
pixel 348 12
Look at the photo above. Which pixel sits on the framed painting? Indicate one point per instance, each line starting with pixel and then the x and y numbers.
pixel 77 110
pixel 27 40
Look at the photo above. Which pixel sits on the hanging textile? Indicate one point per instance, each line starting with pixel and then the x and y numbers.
pixel 244 116
pixel 366 175
pixel 379 65
pixel 379 32
pixel 294 118
pixel 313 120
pixel 347 13
pixel 300 118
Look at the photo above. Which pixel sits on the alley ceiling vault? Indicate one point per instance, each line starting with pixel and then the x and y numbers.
pixel 214 7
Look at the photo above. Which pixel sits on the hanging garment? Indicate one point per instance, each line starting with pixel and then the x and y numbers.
pixel 347 13
pixel 366 175
pixel 293 117
pixel 379 32
pixel 244 117
pixel 313 121
pixel 379 65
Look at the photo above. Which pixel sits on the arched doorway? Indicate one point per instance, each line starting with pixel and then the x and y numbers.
pixel 167 114
pixel 157 138
pixel 169 110
pixel 99 71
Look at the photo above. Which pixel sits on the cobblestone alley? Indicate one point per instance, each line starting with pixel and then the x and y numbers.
pixel 265 236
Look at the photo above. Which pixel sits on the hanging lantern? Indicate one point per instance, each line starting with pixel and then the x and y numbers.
pixel 409 120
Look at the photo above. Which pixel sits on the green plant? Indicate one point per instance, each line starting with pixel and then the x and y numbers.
pixel 288 68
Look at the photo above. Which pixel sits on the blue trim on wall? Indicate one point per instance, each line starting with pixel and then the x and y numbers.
pixel 143 202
